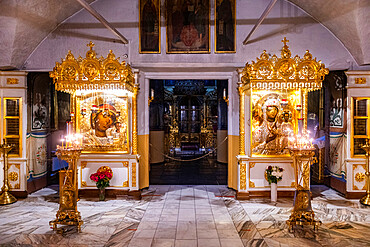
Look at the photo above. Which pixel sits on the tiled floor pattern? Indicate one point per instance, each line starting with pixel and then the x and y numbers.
pixel 203 216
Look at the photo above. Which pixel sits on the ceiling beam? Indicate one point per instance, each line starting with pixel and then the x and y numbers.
pixel 100 18
pixel 263 16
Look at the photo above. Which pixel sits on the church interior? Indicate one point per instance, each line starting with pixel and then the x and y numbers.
pixel 185 123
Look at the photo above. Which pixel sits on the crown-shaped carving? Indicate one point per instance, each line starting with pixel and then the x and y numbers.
pixel 271 72
pixel 92 73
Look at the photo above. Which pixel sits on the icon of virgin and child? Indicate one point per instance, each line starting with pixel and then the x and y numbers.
pixel 105 127
pixel 271 127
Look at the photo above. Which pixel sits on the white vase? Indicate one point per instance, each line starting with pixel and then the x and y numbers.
pixel 273 192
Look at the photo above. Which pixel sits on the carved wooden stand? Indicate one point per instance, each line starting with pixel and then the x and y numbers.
pixel 68 192
pixel 302 213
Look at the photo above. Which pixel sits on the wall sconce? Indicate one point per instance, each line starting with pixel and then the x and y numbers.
pixel 151 98
pixel 226 98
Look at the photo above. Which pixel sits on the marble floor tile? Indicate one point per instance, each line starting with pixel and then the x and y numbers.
pixel 144 233
pixel 209 242
pixel 231 243
pixel 166 233
pixel 163 243
pixel 186 243
pixel 186 230
pixel 140 242
pixel 207 233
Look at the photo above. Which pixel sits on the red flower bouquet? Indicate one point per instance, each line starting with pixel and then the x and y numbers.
pixel 102 177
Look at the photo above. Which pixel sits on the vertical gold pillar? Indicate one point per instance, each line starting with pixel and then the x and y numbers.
pixel 134 119
pixel 304 107
pixel 241 121
pixel 73 109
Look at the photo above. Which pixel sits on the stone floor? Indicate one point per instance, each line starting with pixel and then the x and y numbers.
pixel 180 215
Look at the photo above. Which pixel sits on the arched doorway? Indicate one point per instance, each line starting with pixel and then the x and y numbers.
pixel 184 119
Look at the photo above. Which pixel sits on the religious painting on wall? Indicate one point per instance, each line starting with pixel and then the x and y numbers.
pixel 103 120
pixel 188 26
pixel 225 23
pixel 337 84
pixel 62 107
pixel 149 26
pixel 40 97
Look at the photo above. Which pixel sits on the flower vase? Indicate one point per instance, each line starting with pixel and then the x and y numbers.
pixel 101 194
pixel 273 192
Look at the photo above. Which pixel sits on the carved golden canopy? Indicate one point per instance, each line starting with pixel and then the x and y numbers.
pixel 284 72
pixel 92 73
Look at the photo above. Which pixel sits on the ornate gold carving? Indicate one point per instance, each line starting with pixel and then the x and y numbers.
pixel 126 183
pixel 83 164
pixel 83 184
pixel 359 177
pixel 133 174
pixel 241 121
pixel 13 176
pixel 12 81
pixel 251 184
pixel 355 187
pixel 134 119
pixel 302 212
pixel 92 73
pixel 68 191
pixel 252 164
pixel 360 80
pixel 293 184
pixel 285 72
pixel 243 176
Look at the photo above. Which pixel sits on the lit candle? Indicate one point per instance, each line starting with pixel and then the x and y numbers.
pixel 224 93
pixel 62 142
pixel 152 93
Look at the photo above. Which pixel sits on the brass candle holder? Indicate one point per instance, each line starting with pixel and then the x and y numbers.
pixel 6 197
pixel 366 199
pixel 302 212
pixel 68 191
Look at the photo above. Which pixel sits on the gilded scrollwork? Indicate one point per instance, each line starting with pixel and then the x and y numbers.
pixel 359 177
pixel 13 176
pixel 243 176
pixel 92 73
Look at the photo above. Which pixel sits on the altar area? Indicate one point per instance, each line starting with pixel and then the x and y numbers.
pixel 273 94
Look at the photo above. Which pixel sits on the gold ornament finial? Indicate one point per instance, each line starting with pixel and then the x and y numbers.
pixel 91 45
pixel 285 41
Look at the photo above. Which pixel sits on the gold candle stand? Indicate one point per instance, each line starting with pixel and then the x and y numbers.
pixel 302 212
pixel 6 197
pixel 366 199
pixel 68 192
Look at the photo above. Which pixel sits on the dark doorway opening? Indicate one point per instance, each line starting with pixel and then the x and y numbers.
pixel 186 117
